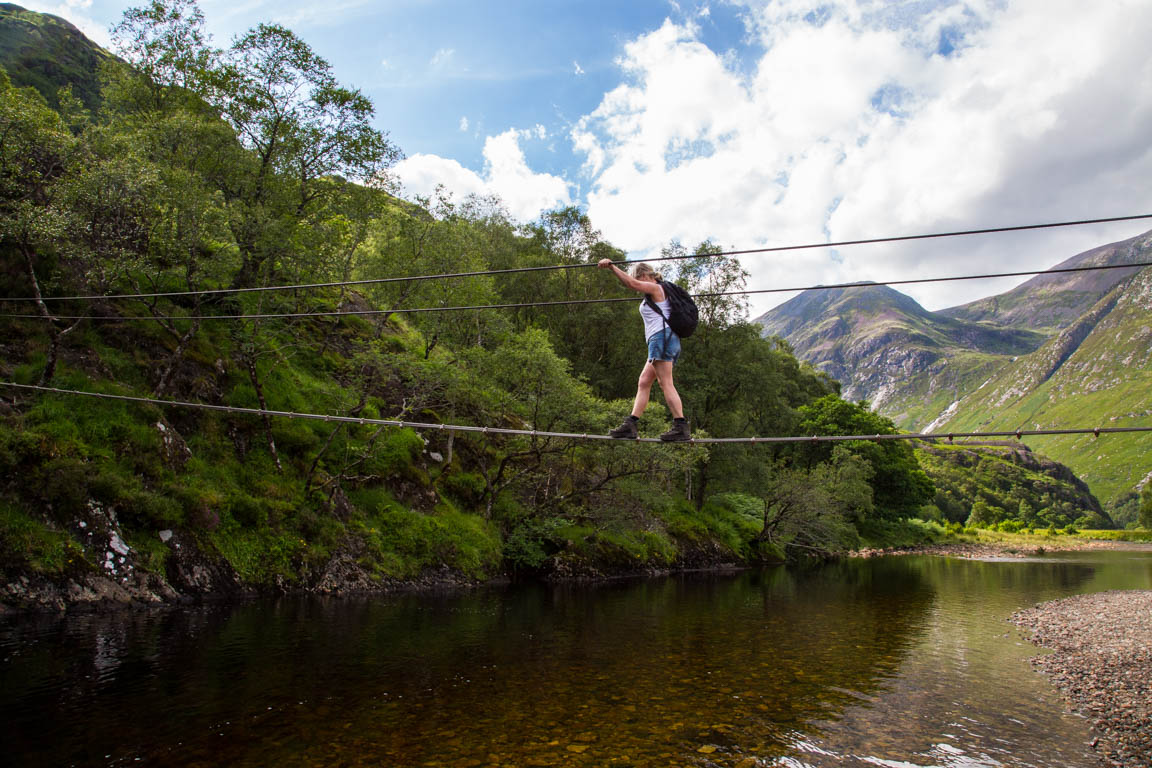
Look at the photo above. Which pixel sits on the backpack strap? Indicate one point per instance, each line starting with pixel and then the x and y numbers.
pixel 655 306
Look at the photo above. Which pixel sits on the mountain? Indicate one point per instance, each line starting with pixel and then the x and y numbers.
pixel 1059 350
pixel 1097 371
pixel 1050 302
pixel 47 53
pixel 884 347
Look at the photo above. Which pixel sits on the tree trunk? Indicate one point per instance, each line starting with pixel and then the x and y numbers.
pixel 55 334
pixel 175 358
pixel 250 363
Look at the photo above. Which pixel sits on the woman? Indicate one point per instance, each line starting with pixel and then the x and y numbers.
pixel 663 349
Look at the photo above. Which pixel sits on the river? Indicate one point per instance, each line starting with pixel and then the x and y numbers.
pixel 894 662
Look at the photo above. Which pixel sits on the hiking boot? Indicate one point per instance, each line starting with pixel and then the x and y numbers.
pixel 627 430
pixel 679 432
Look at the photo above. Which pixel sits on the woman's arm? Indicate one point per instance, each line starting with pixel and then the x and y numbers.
pixel 643 286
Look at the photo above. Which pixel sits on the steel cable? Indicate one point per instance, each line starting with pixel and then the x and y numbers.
pixel 1018 434
pixel 569 302
pixel 582 265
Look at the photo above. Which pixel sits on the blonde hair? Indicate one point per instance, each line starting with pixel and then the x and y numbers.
pixel 643 268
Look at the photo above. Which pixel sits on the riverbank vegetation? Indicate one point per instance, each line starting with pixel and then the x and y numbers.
pixel 205 171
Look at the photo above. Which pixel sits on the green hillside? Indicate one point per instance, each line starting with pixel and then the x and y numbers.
pixel 1096 372
pixel 987 485
pixel 46 52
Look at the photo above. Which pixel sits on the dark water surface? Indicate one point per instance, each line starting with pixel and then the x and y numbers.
pixel 891 662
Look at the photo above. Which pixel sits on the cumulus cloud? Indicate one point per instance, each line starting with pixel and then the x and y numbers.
pixel 464 123
pixel 866 119
pixel 525 193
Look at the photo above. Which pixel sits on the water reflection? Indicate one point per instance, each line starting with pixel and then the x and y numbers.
pixel 898 660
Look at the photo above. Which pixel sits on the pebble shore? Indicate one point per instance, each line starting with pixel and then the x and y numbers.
pixel 1102 663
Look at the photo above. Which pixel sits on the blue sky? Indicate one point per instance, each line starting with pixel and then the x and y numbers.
pixel 758 122
pixel 444 74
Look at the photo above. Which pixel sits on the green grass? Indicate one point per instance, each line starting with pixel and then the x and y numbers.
pixel 402 543
pixel 31 543
pixel 732 520
pixel 902 533
pixel 1129 535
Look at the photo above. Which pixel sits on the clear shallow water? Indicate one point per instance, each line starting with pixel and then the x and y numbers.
pixel 891 662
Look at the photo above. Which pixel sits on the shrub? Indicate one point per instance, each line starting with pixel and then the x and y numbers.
pixel 466 487
pixel 24 539
pixel 63 483
pixel 532 541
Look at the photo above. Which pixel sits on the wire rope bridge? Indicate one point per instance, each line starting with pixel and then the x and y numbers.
pixel 1017 434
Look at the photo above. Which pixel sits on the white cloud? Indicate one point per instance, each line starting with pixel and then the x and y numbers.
pixel 577 68
pixel 463 123
pixel 868 119
pixel 506 174
pixel 441 58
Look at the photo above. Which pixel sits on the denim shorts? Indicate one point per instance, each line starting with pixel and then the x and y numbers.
pixel 658 351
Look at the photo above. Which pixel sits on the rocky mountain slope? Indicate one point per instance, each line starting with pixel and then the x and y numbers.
pixel 1048 303
pixel 885 348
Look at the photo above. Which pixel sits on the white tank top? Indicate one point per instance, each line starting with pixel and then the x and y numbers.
pixel 653 323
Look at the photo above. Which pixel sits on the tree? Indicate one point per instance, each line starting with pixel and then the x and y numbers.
pixel 305 134
pixel 900 485
pixel 813 508
pixel 169 51
pixel 1146 508
pixel 301 128
pixel 36 149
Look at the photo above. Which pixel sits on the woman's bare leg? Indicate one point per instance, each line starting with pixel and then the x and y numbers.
pixel 663 371
pixel 644 389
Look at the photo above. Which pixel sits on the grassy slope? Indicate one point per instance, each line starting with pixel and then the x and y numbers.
pixel 1104 382
pixel 45 52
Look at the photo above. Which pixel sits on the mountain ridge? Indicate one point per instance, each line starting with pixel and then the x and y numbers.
pixel 1049 301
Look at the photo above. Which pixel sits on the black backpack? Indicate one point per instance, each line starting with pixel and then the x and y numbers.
pixel 683 316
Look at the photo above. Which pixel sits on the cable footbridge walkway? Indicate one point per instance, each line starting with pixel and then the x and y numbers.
pixel 1017 434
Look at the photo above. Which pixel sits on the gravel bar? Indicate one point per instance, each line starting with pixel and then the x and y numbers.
pixel 1102 663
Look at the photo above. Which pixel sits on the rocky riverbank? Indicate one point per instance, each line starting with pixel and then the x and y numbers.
pixel 1102 663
